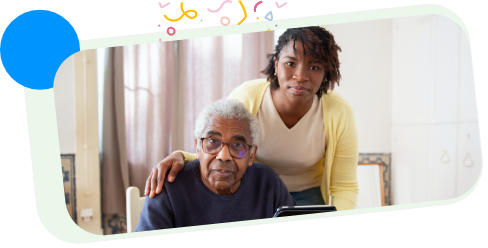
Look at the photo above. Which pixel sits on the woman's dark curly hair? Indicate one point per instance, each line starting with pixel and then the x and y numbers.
pixel 321 46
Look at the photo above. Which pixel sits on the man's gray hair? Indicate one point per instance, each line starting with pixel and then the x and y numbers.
pixel 228 109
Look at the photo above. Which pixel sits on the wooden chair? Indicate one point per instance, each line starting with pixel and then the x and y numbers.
pixel 134 207
pixel 371 185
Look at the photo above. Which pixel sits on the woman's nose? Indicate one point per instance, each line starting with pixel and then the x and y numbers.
pixel 301 74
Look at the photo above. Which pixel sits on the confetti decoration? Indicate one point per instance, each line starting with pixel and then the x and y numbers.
pixel 171 28
pixel 217 10
pixel 224 17
pixel 279 6
pixel 160 40
pixel 269 14
pixel 183 14
pixel 245 13
pixel 162 6
pixel 256 5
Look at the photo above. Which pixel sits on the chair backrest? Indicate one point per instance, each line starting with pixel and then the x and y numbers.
pixel 371 185
pixel 134 207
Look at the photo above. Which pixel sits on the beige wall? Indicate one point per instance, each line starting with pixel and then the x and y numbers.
pixel 64 97
pixel 367 79
pixel 74 137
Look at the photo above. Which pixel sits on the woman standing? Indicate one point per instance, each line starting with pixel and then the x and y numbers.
pixel 308 132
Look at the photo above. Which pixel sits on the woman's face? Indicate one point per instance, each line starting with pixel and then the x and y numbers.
pixel 299 76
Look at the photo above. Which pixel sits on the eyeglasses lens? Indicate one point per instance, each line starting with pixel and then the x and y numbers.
pixel 237 150
pixel 212 145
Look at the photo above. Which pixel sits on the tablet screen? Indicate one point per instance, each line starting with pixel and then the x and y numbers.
pixel 299 210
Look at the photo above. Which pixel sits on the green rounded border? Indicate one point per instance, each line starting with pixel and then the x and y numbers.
pixel 46 163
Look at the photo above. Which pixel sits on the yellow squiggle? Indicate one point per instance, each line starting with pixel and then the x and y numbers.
pixel 245 14
pixel 185 13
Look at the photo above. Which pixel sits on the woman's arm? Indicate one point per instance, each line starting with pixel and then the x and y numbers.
pixel 188 157
pixel 174 163
pixel 343 179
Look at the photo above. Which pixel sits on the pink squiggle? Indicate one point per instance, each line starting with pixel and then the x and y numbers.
pixel 279 6
pixel 256 5
pixel 217 10
pixel 163 6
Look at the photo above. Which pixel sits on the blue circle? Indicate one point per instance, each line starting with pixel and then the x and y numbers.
pixel 34 45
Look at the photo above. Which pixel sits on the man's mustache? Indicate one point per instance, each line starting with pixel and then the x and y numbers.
pixel 226 166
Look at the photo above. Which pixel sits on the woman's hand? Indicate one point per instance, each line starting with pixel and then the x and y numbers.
pixel 154 183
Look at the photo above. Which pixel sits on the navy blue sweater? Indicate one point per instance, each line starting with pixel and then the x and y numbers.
pixel 188 202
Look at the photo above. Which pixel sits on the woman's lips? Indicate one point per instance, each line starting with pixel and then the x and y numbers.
pixel 298 89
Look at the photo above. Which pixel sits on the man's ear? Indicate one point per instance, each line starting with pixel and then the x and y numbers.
pixel 196 148
pixel 252 155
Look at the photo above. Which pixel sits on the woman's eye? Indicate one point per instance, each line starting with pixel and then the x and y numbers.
pixel 290 63
pixel 237 144
pixel 314 68
pixel 212 141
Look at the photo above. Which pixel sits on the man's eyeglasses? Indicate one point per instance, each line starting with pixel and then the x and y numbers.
pixel 214 146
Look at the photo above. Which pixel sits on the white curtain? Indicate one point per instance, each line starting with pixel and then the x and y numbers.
pixel 210 68
pixel 148 77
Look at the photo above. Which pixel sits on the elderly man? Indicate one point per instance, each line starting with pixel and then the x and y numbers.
pixel 223 184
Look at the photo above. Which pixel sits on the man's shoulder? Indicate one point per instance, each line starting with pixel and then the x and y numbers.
pixel 263 167
pixel 184 181
pixel 187 174
pixel 262 171
pixel 190 166
pixel 263 178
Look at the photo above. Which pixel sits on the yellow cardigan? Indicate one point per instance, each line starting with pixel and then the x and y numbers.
pixel 339 181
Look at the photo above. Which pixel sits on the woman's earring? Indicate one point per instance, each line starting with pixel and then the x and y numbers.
pixel 275 73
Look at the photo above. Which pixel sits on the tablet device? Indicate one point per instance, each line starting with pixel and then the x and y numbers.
pixel 299 210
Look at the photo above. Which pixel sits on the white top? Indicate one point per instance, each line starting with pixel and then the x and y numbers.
pixel 292 153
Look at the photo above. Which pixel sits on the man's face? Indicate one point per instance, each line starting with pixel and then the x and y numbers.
pixel 222 173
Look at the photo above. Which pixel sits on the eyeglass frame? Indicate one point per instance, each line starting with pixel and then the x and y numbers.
pixel 228 145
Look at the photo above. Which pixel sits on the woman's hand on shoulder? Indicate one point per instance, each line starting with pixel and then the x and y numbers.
pixel 154 183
